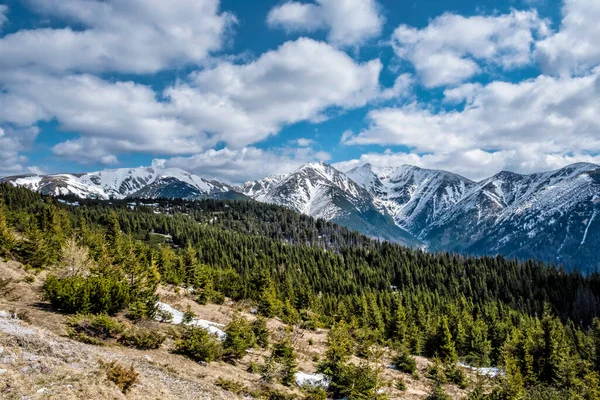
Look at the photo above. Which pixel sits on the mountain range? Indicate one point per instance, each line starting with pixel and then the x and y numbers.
pixel 551 216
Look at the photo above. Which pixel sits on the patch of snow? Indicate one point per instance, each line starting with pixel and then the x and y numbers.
pixel 485 371
pixel 209 326
pixel 587 228
pixel 314 380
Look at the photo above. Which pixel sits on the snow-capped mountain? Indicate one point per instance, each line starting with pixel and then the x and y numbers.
pixel 414 196
pixel 552 216
pixel 321 191
pixel 142 182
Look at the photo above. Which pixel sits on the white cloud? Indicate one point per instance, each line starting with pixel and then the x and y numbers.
pixel 300 81
pixel 304 142
pixel 546 120
pixel 3 17
pixel 137 36
pixel 350 22
pixel 12 143
pixel 475 164
pixel 574 49
pixel 236 104
pixel 238 166
pixel 557 114
pixel 453 48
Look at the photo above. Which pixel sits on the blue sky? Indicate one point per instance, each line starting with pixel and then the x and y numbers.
pixel 236 89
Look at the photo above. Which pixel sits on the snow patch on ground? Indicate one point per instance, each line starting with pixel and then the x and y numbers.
pixel 314 380
pixel 211 327
pixel 485 371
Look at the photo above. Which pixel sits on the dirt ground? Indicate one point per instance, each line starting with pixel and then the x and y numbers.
pixel 38 360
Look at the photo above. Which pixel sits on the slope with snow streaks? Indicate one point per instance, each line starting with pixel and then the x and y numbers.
pixel 321 191
pixel 414 196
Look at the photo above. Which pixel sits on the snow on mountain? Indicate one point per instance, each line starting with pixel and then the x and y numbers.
pixel 552 216
pixel 548 216
pixel 261 186
pixel 145 182
pixel 321 191
pixel 414 196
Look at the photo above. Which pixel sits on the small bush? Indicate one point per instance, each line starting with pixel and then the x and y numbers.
pixel 164 316
pixel 231 386
pixel 404 362
pixel 94 295
pixel 94 328
pixel 270 393
pixel 240 337
pixel 142 338
pixel 400 384
pixel 188 315
pixel 314 393
pixel 311 341
pixel 436 372
pixel 123 377
pixel 456 376
pixel 261 332
pixel 199 345
pixel 438 393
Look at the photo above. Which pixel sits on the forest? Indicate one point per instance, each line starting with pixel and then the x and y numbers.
pixel 537 322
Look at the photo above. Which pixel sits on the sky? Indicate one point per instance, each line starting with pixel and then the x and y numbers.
pixel 237 89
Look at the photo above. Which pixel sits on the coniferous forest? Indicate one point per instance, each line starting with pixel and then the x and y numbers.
pixel 537 322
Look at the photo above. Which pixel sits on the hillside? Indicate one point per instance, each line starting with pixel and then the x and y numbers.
pixel 112 269
pixel 548 216
pixel 40 360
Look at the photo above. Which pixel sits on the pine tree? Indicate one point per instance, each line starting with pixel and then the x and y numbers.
pixel 7 239
pixel 446 349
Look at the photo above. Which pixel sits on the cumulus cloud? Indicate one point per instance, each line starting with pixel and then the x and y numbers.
pixel 349 22
pixel 235 104
pixel 13 141
pixel 553 117
pixel 238 166
pixel 574 48
pixel 300 81
pixel 453 48
pixel 131 36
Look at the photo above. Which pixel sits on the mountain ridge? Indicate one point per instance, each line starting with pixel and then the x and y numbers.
pixel 551 215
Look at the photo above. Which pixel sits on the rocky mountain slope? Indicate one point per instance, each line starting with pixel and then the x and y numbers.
pixel 552 216
pixel 321 191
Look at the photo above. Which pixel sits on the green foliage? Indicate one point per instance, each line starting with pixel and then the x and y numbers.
pixel 357 382
pixel 188 315
pixel 438 393
pixel 198 345
pixel 94 328
pixel 240 337
pixel 436 372
pixel 94 294
pixel 283 353
pixel 123 377
pixel 400 384
pixel 404 362
pixel 314 393
pixel 261 332
pixel 231 386
pixel 456 376
pixel 142 338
